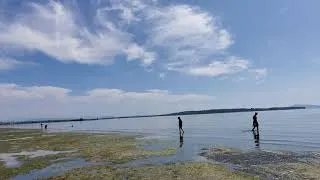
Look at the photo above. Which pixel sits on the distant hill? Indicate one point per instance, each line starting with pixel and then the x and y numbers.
pixel 308 106
pixel 213 111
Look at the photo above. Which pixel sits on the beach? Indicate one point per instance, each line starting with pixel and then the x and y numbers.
pixel 36 154
pixel 151 89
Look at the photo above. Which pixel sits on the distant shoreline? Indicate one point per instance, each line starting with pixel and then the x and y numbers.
pixel 211 111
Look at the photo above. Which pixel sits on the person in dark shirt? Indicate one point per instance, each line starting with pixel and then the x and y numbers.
pixel 255 123
pixel 180 127
pixel 45 126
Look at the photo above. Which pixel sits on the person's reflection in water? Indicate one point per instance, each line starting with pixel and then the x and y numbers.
pixel 181 141
pixel 256 137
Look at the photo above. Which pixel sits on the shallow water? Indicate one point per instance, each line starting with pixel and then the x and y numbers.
pixel 295 130
pixel 54 170
pixel 10 159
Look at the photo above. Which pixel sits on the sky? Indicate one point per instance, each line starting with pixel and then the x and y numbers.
pixel 72 58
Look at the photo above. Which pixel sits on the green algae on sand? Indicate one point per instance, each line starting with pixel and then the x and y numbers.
pixel 190 170
pixel 112 148
pixel 267 164
pixel 292 171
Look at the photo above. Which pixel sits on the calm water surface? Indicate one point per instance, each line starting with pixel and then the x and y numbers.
pixel 296 130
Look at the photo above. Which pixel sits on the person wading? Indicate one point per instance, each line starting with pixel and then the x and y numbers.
pixel 180 127
pixel 255 123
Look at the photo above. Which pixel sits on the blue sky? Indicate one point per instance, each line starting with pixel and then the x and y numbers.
pixel 70 58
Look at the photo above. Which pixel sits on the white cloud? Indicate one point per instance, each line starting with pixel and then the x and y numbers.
pixel 33 92
pixel 9 64
pixel 215 68
pixel 137 52
pixel 48 101
pixel 188 33
pixel 176 37
pixel 192 37
pixel 158 91
pixel 127 9
pixel 54 29
pixel 126 13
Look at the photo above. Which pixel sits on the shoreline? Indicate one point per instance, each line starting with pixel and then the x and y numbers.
pixel 183 113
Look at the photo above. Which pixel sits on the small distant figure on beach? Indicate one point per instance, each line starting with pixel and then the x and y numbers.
pixel 41 125
pixel 45 127
pixel 255 123
pixel 180 127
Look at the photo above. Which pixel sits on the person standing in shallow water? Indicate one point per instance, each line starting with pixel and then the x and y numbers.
pixel 255 123
pixel 180 127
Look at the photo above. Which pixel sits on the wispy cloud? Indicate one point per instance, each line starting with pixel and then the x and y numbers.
pixel 53 29
pixel 145 31
pixel 192 38
pixel 215 68
pixel 126 9
pixel 187 33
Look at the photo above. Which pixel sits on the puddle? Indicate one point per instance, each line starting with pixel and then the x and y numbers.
pixel 10 159
pixel 151 144
pixel 180 156
pixel 157 147
pixel 54 169
pixel 184 152
pixel 61 159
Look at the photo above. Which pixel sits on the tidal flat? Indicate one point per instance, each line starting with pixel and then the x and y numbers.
pixel 37 154
pixel 268 164
pixel 19 155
